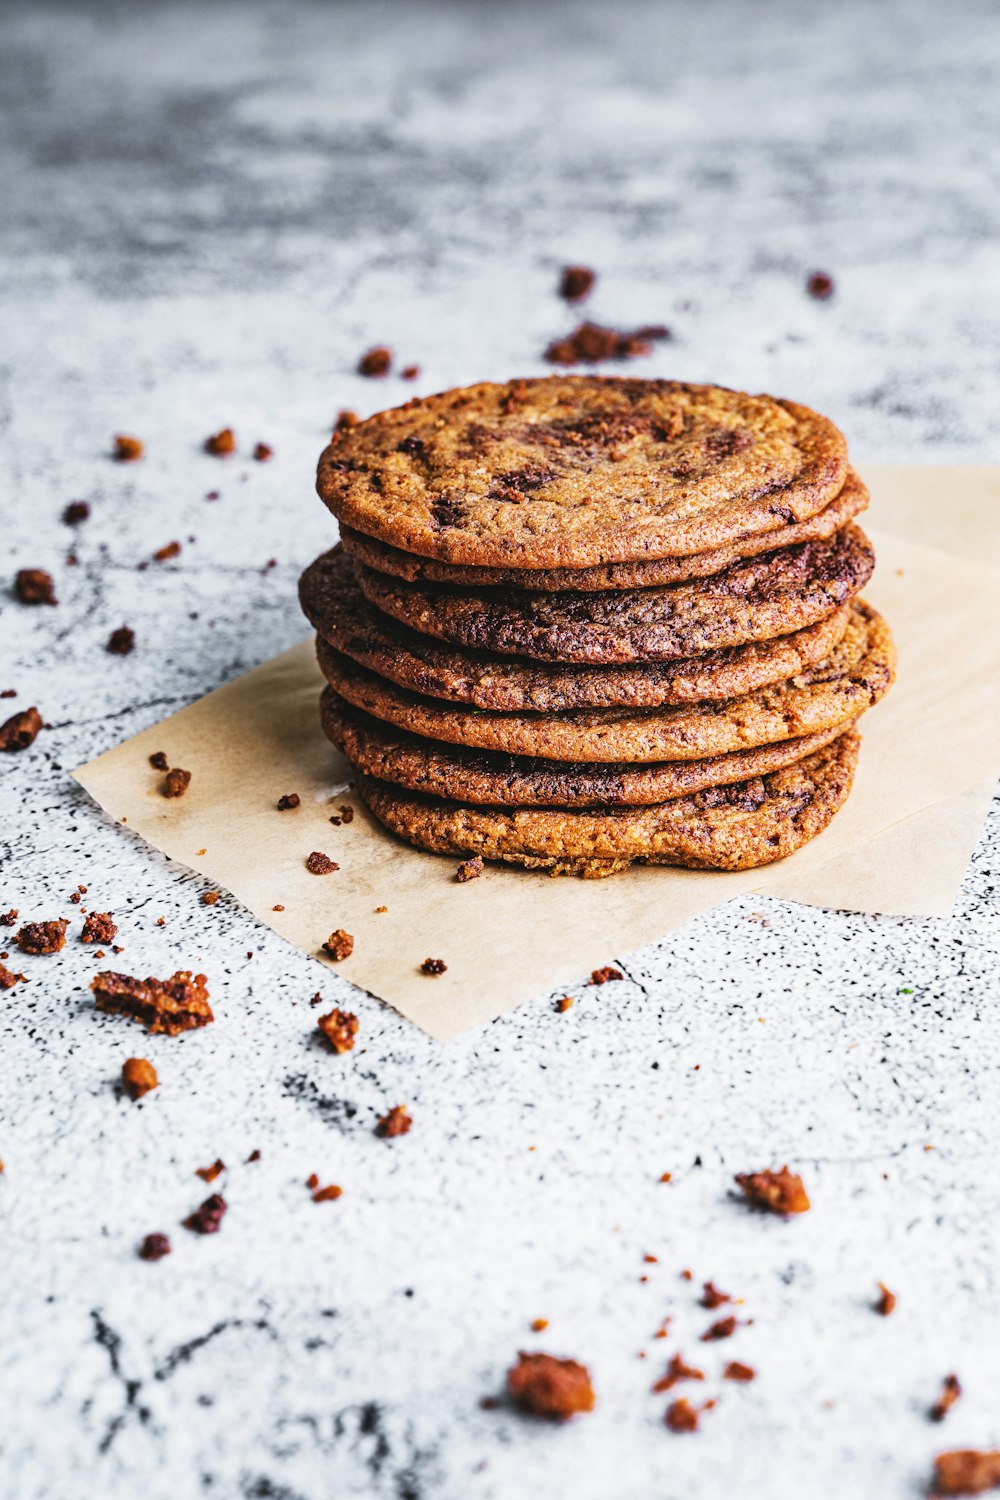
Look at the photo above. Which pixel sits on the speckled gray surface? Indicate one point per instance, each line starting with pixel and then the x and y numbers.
pixel 209 212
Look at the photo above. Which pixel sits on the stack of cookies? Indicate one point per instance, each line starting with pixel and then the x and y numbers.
pixel 576 623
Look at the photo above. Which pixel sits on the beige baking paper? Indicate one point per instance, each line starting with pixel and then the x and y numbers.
pixel 900 845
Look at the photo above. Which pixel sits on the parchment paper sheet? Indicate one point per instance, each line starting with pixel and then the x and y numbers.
pixel 928 764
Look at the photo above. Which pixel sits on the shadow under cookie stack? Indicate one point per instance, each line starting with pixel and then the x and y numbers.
pixel 579 623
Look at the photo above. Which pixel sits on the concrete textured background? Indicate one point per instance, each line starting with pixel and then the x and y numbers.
pixel 208 212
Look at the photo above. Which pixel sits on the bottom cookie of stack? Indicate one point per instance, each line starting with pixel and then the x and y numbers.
pixel 724 827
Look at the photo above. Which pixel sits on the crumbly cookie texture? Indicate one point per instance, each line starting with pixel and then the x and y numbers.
pixel 477 776
pixel 577 471
pixel 735 827
pixel 343 617
pixel 644 574
pixel 855 675
pixel 773 595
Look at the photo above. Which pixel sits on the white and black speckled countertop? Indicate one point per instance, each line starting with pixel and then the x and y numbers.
pixel 208 213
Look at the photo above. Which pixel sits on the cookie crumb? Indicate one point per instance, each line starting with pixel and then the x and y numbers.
pixel 20 730
pixel 681 1416
pixel 741 1373
pixel 433 966
pixel 154 1247
pixel 380 909
pixel 712 1297
pixel 550 1387
pixel 887 1300
pixel 209 1174
pixel 207 1217
pixel 76 512
pixel 8 918
pixel 254 1156
pixel 167 1006
pixel 340 1027
pixel 396 1122
pixel 165 553
pixel 576 283
pixel 724 1328
pixel 176 783
pixel 346 813
pixel 376 363
pixel 263 452
pixel 328 1194
pixel 41 939
pixel 98 927
pixel 819 284
pixel 469 869
pixel 277 908
pixel 312 1181
pixel 781 1192
pixel 121 642
pixel 8 978
pixel 138 1077
pixel 221 443
pixel 320 864
pixel 590 343
pixel 539 1325
pixel 677 1370
pixel 35 586
pixel 605 975
pixel 409 372
pixel 209 898
pixel 951 1389
pixel 127 450
pixel 563 1005
pixel 158 760
pixel 288 800
pixel 339 944
pixel 967 1471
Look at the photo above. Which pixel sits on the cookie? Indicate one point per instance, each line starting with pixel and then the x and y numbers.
pixel 478 776
pixel 773 595
pixel 340 613
pixel 736 827
pixel 576 471
pixel 854 676
pixel 649 573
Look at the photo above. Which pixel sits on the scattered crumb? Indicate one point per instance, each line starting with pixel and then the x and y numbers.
pixel 376 362
pixel 550 1387
pixel 127 450
pixel 320 864
pixel 469 869
pixel 254 1156
pixel 154 1247
pixel 724 1328
pixel 347 813
pixel 8 978
pixel 166 552
pixel 35 586
pixel 590 343
pixel 379 910
pixel 576 283
pixel 605 975
pixel 687 1275
pixel 209 1174
pixel 339 944
pixel 75 512
pixel 433 966
pixel 121 642
pixel 819 284
pixel 20 730
pixel 563 1005
pixel 739 1372
pixel 327 1194
pixel 8 918
pixel 782 1192
pixel 312 1181
pixel 676 1371
pixel 409 372
pixel 288 800
pixel 263 452
pixel 158 760
pixel 277 908
pixel 886 1303
pixel 221 443
pixel 41 939
pixel 665 1177
pixel 712 1297
pixel 539 1325
pixel 681 1416
pixel 138 1077
pixel 340 1027
pixel 209 898
pixel 176 782
pixel 967 1471
pixel 951 1389
pixel 98 927
pixel 207 1217
pixel 167 1006
pixel 396 1122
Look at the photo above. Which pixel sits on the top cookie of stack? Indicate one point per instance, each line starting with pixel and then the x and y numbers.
pixel 582 621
